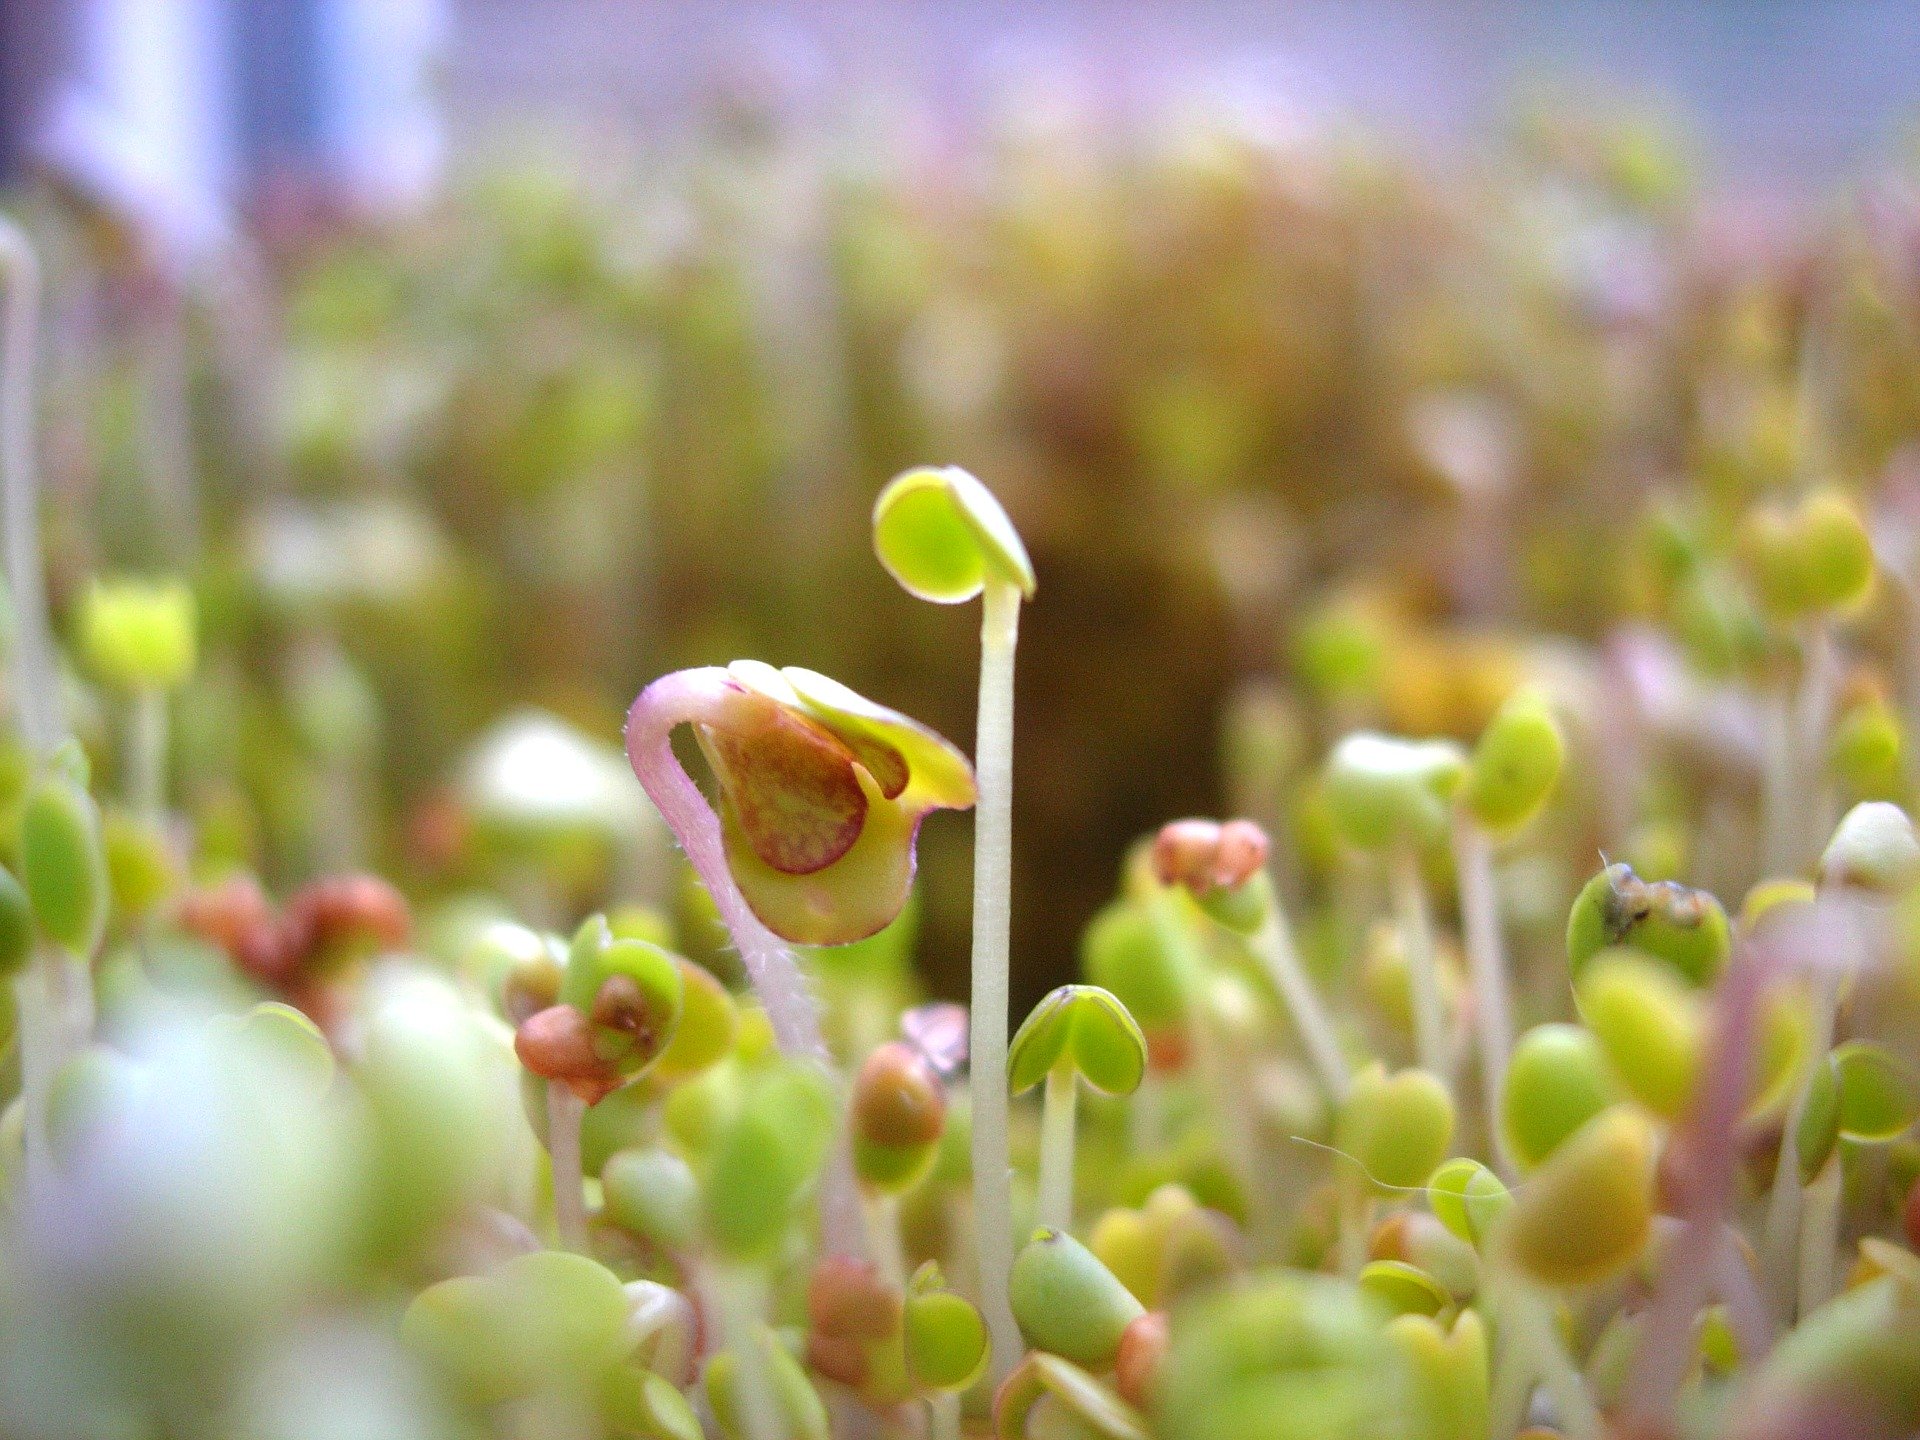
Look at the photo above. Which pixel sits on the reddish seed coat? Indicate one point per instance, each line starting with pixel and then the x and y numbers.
pixel 1143 1345
pixel 897 1099
pixel 1205 854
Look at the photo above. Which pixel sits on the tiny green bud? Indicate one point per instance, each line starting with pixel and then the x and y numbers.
pixel 631 993
pixel 63 864
pixel 946 1337
pixel 1649 1023
pixel 1516 764
pixel 1067 1302
pixel 139 634
pixel 1685 927
pixel 943 535
pixel 1383 791
pixel 1397 1127
pixel 653 1194
pixel 1557 1080
pixel 1872 849
pixel 1586 1214
pixel 1403 1288
pixel 1086 1027
pixel 1468 1199
pixel 1866 753
pixel 1879 1097
pixel 140 868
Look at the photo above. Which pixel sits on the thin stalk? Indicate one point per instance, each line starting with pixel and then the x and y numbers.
pixel 1487 968
pixel 943 1413
pixel 564 1113
pixel 1356 1206
pixel 1778 816
pixel 883 1236
pixel 1273 946
pixel 1779 1237
pixel 992 876
pixel 1820 1235
pixel 36 680
pixel 1813 713
pixel 1054 1205
pixel 742 1295
pixel 147 754
pixel 1416 938
pixel 1573 1403
pixel 1747 1312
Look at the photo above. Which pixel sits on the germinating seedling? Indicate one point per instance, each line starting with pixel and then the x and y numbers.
pixel 945 538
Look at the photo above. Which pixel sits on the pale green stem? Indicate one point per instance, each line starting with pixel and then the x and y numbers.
pixel 1423 975
pixel 742 1294
pixel 1273 945
pixel 1812 714
pixel 1356 1206
pixel 56 1019
pixel 1778 1271
pixel 1531 1352
pixel 1487 968
pixel 1820 1235
pixel 883 1239
pixel 1053 1207
pixel 36 679
pixel 564 1113
pixel 992 876
pixel 943 1411
pixel 1778 817
pixel 147 754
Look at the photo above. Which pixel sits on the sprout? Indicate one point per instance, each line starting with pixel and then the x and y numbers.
pixel 1068 1303
pixel 1447 1374
pixel 1813 557
pixel 1077 1032
pixel 945 538
pixel 1685 927
pixel 1587 1212
pixel 1558 1081
pixel 1396 1127
pixel 1873 849
pixel 821 797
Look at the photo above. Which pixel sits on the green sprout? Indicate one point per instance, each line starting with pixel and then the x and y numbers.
pixel 945 538
pixel 139 637
pixel 1078 1032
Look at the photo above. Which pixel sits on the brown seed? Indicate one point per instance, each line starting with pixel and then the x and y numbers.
pixel 1143 1345
pixel 897 1099
pixel 847 1299
pixel 1184 853
pixel 557 1044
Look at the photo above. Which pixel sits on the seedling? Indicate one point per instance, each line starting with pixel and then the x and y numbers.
pixel 1078 1032
pixel 140 638
pixel 945 538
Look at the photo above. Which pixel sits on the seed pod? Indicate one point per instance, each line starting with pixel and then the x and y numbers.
pixel 653 1194
pixel 1396 1127
pixel 63 864
pixel 1067 1302
pixel 1587 1212
pixel 1557 1080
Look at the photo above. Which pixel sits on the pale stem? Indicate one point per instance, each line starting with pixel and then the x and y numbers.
pixel 742 1294
pixel 1573 1403
pixel 1416 938
pixel 1820 1235
pixel 1813 712
pixel 1779 817
pixel 564 1113
pixel 987 1041
pixel 56 1019
pixel 147 754
pixel 1781 1234
pixel 1053 1207
pixel 883 1236
pixel 1747 1309
pixel 1274 947
pixel 36 680
pixel 1486 968
pixel 1356 1206
pixel 943 1410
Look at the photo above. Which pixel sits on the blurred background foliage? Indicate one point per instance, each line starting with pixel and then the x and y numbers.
pixel 1256 397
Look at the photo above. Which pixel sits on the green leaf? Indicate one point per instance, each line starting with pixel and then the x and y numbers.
pixel 1879 1097
pixel 1557 1080
pixel 943 535
pixel 1086 1027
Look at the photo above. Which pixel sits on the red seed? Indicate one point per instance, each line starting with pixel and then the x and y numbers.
pixel 1143 1345
pixel 897 1099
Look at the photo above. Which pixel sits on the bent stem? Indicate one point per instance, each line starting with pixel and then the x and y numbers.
pixel 1054 1205
pixel 1486 969
pixel 564 1113
pixel 987 1040
pixel 1273 946
pixel 1416 938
